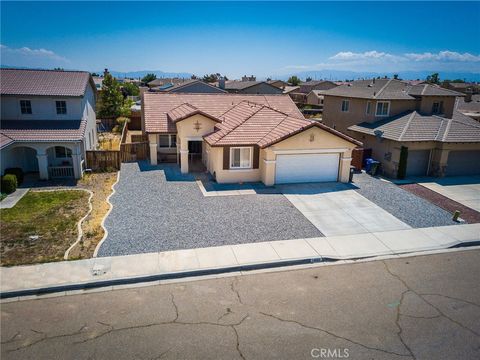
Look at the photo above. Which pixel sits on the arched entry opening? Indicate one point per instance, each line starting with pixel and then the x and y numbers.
pixel 22 157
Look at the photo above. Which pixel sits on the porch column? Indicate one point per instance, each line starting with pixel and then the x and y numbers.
pixel 345 162
pixel 184 161
pixel 42 164
pixel 152 140
pixel 77 166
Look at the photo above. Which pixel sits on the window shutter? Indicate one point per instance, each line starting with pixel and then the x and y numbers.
pixel 226 157
pixel 256 156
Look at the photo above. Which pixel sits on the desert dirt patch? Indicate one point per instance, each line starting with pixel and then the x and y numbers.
pixel 41 226
pixel 109 140
pixel 100 184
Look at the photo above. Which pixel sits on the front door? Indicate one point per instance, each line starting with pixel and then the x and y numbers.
pixel 195 156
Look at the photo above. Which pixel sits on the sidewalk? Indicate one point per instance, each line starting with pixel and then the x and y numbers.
pixel 12 199
pixel 109 271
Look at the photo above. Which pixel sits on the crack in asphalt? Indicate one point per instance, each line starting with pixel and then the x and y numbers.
pixel 333 334
pixel 422 296
pixel 236 291
pixel 46 337
pixel 397 323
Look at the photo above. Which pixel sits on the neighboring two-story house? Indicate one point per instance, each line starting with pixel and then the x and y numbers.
pixel 388 114
pixel 47 121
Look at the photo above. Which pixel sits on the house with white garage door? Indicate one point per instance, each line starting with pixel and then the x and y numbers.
pixel 244 138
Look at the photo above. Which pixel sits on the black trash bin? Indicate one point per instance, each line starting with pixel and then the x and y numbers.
pixel 352 170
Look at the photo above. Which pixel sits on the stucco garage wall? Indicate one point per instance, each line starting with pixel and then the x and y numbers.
pixel 309 140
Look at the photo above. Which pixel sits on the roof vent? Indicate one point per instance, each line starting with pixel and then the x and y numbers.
pixel 378 133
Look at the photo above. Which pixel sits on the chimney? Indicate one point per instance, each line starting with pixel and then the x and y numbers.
pixel 221 83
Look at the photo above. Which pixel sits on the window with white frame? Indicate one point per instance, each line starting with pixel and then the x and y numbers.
pixel 240 158
pixel 62 152
pixel 61 107
pixel 345 105
pixel 369 108
pixel 437 107
pixel 167 141
pixel 383 108
pixel 25 106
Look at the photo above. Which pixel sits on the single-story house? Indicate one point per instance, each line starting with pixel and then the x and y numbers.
pixel 437 146
pixel 244 138
pixel 47 121
pixel 190 86
pixel 249 87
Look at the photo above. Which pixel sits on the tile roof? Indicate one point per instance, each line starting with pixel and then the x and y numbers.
pixel 248 123
pixel 289 89
pixel 179 86
pixel 41 131
pixel 44 82
pixel 413 126
pixel 241 85
pixel 470 106
pixel 388 89
pixel 157 105
pixel 186 110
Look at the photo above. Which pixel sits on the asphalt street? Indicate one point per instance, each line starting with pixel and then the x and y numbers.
pixel 424 307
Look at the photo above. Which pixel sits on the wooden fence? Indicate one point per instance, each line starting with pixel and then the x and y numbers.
pixel 100 160
pixel 134 151
pixel 357 158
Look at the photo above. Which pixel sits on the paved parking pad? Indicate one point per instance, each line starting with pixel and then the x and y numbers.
pixel 337 209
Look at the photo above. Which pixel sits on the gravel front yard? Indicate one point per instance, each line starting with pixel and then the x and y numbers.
pixel 409 208
pixel 157 209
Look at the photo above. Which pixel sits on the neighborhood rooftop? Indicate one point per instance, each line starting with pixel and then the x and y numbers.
pixel 388 89
pixel 413 126
pixel 158 105
pixel 43 82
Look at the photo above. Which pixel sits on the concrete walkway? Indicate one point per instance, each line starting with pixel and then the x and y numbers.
pixel 12 199
pixel 110 270
pixel 465 194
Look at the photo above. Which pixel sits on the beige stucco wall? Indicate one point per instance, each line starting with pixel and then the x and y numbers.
pixel 335 118
pixel 311 139
pixel 388 153
pixel 426 104
pixel 215 167
pixel 313 99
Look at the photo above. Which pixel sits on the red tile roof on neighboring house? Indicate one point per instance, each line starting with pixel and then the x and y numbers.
pixel 41 131
pixel 156 106
pixel 44 82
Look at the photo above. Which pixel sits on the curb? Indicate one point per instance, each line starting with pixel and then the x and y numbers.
pixel 157 277
pixel 102 224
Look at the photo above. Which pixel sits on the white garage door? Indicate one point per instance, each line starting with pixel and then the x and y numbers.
pixel 298 168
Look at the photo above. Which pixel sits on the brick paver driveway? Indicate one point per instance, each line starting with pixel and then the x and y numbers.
pixel 155 208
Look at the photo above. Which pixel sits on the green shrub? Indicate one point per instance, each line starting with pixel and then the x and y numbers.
pixel 402 163
pixel 18 172
pixel 9 183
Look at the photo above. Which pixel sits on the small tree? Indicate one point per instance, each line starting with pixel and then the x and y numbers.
pixel 111 97
pixel 308 79
pixel 149 77
pixel 402 163
pixel 434 78
pixel 130 89
pixel 294 80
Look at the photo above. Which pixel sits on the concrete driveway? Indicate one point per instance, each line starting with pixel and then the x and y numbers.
pixel 337 209
pixel 464 189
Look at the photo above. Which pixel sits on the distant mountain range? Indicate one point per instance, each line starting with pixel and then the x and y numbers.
pixel 338 75
pixel 341 75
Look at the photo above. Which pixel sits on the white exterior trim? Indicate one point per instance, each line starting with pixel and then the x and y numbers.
pixel 309 151
pixel 194 138
pixel 269 161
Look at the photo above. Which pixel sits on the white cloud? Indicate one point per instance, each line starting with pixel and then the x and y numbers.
pixel 26 56
pixel 349 55
pixel 374 60
pixel 443 56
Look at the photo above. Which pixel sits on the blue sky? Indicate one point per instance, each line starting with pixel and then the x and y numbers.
pixel 242 38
